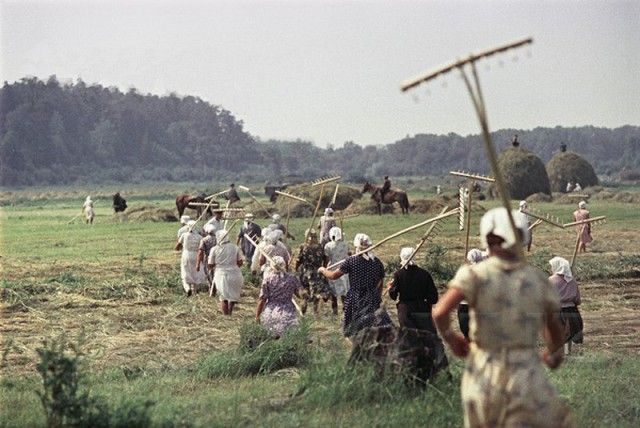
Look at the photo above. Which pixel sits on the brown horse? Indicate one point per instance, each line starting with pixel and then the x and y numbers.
pixel 393 195
pixel 183 202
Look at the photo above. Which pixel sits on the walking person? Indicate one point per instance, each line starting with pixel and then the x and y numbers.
pixel 366 273
pixel 87 209
pixel 275 310
pixel 310 259
pixel 253 231
pixel 225 261
pixel 206 245
pixel 474 256
pixel 189 242
pixel 415 291
pixel 562 278
pixel 334 251
pixel 584 230
pixel 504 383
pixel 327 221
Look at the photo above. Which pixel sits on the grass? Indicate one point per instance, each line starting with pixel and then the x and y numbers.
pixel 120 284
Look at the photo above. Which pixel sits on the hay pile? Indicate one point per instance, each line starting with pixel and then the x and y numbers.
pixel 569 166
pixel 523 172
pixel 539 197
pixel 346 196
pixel 367 206
pixel 147 213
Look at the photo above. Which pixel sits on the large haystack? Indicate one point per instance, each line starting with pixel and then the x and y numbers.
pixel 147 213
pixel 367 206
pixel 569 166
pixel 346 195
pixel 523 172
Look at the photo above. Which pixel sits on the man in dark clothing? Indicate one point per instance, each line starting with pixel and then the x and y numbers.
pixel 386 186
pixel 417 293
pixel 119 203
pixel 254 231
pixel 232 194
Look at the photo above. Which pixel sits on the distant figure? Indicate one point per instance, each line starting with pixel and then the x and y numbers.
pixel 119 203
pixel 386 186
pixel 515 142
pixel 474 256
pixel 327 221
pixel 578 188
pixel 206 245
pixel 216 220
pixel 87 208
pixel 562 278
pixel 563 147
pixel 275 247
pixel 584 230
pixel 275 310
pixel 275 224
pixel 438 190
pixel 570 187
pixel 232 194
pixel 253 231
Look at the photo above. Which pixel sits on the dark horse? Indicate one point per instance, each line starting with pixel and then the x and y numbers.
pixel 183 202
pixel 393 195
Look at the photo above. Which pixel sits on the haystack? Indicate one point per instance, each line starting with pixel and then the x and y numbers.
pixel 569 166
pixel 523 172
pixel 367 206
pixel 147 213
pixel 346 195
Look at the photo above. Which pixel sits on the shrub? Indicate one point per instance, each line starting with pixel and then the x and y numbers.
pixel 441 268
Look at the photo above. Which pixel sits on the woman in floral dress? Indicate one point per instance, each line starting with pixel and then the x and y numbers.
pixel 276 310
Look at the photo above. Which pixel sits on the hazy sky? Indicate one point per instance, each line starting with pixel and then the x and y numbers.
pixel 330 71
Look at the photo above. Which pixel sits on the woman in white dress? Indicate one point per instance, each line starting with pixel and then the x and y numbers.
pixel 224 261
pixel 189 242
pixel 87 208
pixel 334 251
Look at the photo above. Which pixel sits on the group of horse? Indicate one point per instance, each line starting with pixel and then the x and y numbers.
pixel 389 198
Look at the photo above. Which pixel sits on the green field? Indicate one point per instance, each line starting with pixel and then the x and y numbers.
pixel 117 283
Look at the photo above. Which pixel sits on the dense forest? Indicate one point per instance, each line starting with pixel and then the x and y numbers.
pixel 53 133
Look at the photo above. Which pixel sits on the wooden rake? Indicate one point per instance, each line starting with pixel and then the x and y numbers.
pixel 246 189
pixel 431 232
pixel 583 223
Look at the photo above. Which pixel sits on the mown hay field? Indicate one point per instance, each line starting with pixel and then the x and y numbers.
pixel 117 284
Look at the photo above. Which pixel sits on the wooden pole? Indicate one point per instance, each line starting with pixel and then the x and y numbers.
pixel 287 224
pixel 246 189
pixel 423 239
pixel 315 212
pixel 469 197
pixel 401 232
pixel 335 195
pixel 575 250
pixel 586 221
pixel 537 223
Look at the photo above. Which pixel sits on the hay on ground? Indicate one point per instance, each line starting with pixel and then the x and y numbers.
pixel 367 206
pixel 539 197
pixel 524 173
pixel 346 196
pixel 569 166
pixel 147 213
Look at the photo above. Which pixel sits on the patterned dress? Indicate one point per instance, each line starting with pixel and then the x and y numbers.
pixel 279 312
pixel 336 251
pixel 363 298
pixel 584 230
pixel 504 383
pixel 311 257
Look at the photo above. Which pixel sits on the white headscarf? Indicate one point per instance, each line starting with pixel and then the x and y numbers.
pixel 582 205
pixel 88 200
pixel 222 236
pixel 273 236
pixel 335 233
pixel 328 211
pixel 475 256
pixel 362 241
pixel 209 228
pixel 405 254
pixel 185 219
pixel 523 205
pixel 276 218
pixel 191 224
pixel 277 265
pixel 561 266
pixel 264 232
pixel 496 221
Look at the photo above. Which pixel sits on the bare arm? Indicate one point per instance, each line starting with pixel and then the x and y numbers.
pixel 261 303
pixel 553 334
pixel 456 341
pixel 330 274
pixel 199 259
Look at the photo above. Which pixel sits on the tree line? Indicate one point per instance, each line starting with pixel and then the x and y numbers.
pixel 53 133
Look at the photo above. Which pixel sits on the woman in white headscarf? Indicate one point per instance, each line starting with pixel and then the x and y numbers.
pixel 416 293
pixel 363 300
pixel 225 260
pixel 327 221
pixel 334 251
pixel 256 266
pixel 584 230
pixel 524 206
pixel 567 287
pixel 275 248
pixel 87 208
pixel 189 242
pixel 474 256
pixel 510 303
pixel 275 309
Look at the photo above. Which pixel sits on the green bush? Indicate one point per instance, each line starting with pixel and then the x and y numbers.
pixel 439 265
pixel 259 352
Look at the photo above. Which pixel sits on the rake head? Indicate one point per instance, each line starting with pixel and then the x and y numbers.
pixel 473 176
pixel 325 180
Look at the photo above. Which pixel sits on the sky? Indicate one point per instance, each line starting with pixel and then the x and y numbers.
pixel 330 71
